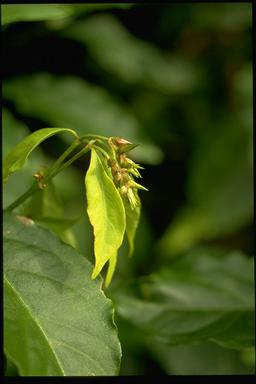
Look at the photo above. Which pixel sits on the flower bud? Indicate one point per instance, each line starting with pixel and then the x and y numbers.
pixel 132 198
pixel 134 172
pixel 121 145
pixel 123 190
pixel 133 184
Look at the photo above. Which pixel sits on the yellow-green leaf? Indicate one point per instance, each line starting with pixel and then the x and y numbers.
pixel 106 213
pixel 16 158
pixel 111 270
pixel 132 221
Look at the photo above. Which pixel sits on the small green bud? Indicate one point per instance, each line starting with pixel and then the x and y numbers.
pixel 128 163
pixel 134 172
pixel 123 190
pixel 133 184
pixel 132 198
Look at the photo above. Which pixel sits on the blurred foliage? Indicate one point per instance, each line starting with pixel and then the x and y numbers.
pixel 202 296
pixel 177 79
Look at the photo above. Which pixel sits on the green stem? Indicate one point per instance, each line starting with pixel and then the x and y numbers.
pixel 91 137
pixel 105 154
pixel 53 172
pixel 70 161
pixel 60 160
pixel 34 188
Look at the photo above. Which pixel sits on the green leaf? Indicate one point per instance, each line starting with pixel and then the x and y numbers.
pixel 111 269
pixel 57 321
pixel 106 213
pixel 132 221
pixel 13 131
pixel 200 297
pixel 11 369
pixel 46 208
pixel 12 13
pixel 44 203
pixel 18 155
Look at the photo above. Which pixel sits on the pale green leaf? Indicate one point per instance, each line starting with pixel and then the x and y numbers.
pixel 132 221
pixel 111 269
pixel 57 321
pixel 13 131
pixel 198 297
pixel 16 158
pixel 106 213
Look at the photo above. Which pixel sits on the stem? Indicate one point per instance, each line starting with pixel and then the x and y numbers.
pixel 34 188
pixel 92 136
pixel 70 161
pixel 60 160
pixel 101 150
pixel 57 167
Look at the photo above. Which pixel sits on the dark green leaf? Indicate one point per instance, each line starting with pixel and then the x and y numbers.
pixel 203 297
pixel 57 320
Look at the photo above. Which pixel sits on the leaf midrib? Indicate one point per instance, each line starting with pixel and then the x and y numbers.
pixel 105 203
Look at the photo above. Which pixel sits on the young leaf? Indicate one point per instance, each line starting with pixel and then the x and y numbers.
pixel 18 155
pixel 57 320
pixel 106 212
pixel 111 269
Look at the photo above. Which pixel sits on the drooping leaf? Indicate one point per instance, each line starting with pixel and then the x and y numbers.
pixel 13 131
pixel 132 221
pixel 57 321
pixel 72 102
pixel 111 269
pixel 16 158
pixel 106 213
pixel 199 297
